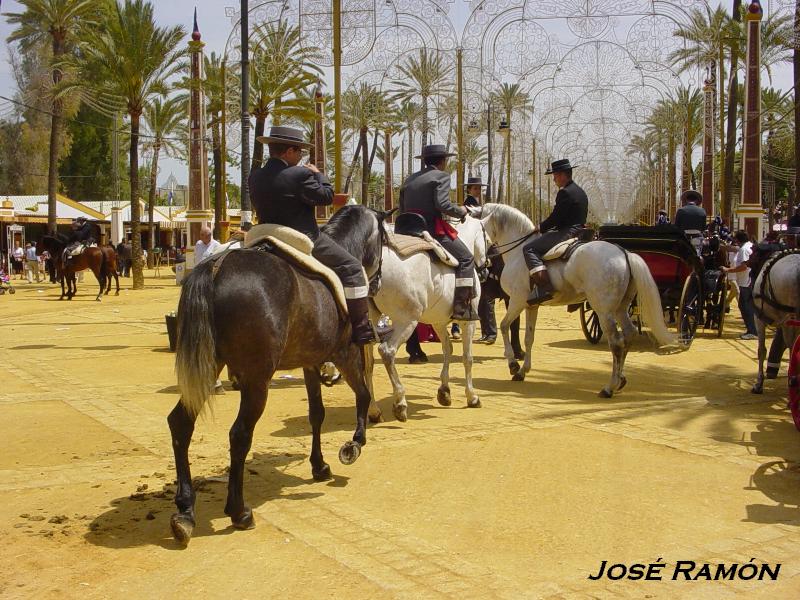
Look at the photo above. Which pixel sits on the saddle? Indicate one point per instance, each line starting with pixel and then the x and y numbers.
pixel 295 247
pixel 80 248
pixel 563 250
pixel 411 236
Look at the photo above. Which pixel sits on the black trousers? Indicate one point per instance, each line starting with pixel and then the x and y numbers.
pixel 466 267
pixel 486 315
pixel 538 247
pixel 333 256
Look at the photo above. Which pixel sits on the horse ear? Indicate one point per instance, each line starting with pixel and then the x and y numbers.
pixel 383 215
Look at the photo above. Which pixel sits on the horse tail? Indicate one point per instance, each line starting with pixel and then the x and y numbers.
pixel 649 300
pixel 195 361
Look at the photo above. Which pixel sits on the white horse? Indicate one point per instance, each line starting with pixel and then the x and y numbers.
pixel 776 296
pixel 603 273
pixel 419 289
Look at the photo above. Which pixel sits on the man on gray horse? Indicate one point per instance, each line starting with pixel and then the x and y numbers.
pixel 568 216
pixel 427 193
pixel 287 194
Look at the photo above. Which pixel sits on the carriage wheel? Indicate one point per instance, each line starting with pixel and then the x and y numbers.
pixel 690 309
pixel 12 291
pixel 2 291
pixel 590 323
pixel 635 315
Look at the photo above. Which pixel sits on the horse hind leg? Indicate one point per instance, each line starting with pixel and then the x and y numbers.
pixel 316 416
pixel 443 393
pixel 351 364
pixel 181 426
pixel 251 407
pixel 616 343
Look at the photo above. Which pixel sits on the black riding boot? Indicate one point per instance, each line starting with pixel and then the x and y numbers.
pixel 462 307
pixel 363 333
pixel 541 288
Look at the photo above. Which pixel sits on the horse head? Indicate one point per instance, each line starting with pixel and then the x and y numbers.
pixel 360 231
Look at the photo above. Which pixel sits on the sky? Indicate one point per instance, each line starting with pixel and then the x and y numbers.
pixel 216 28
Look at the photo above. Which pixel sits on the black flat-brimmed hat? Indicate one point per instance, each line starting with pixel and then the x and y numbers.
pixel 691 196
pixel 435 151
pixel 290 136
pixel 559 165
pixel 475 181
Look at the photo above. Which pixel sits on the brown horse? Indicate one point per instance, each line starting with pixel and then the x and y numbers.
pixel 91 258
pixel 111 267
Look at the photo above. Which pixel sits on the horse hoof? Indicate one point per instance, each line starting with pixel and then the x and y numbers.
pixel 323 474
pixel 513 367
pixel 622 383
pixel 518 376
pixel 757 389
pixel 182 528
pixel 400 412
pixel 376 417
pixel 605 393
pixel 474 403
pixel 349 452
pixel 245 520
pixel 443 396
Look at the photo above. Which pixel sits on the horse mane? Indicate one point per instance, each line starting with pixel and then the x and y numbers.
pixel 508 218
pixel 352 226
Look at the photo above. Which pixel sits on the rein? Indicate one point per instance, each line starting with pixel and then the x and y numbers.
pixel 766 293
pixel 516 244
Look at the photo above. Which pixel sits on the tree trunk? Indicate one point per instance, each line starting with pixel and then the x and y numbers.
pixel 56 127
pixel 258 147
pixel 136 223
pixel 499 197
pixel 424 126
pixel 410 151
pixel 151 241
pixel 730 142
pixel 669 202
pixel 219 185
pixel 372 157
pixel 686 158
pixel 796 65
pixel 364 143
pixel 352 167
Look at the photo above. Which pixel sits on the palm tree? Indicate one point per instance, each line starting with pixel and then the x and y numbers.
pixel 409 114
pixel 364 108
pixel 280 69
pixel 214 88
pixel 57 23
pixel 688 108
pixel 511 100
pixel 132 58
pixel 165 117
pixel 424 75
pixel 475 156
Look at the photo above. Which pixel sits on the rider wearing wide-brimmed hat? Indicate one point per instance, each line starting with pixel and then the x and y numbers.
pixel 427 193
pixel 474 186
pixel 568 216
pixel 287 194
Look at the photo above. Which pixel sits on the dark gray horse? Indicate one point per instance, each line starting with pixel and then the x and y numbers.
pixel 257 313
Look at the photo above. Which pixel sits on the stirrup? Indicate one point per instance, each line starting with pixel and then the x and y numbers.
pixel 535 298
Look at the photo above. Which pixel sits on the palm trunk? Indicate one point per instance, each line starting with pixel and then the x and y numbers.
pixel 499 197
pixel 136 223
pixel 258 147
pixel 730 142
pixel 424 125
pixel 219 185
pixel 669 203
pixel 364 143
pixel 686 158
pixel 410 148
pixel 372 155
pixel 56 127
pixel 352 166
pixel 151 241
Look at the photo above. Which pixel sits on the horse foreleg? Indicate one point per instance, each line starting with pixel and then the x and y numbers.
pixel 352 366
pixel 102 281
pixel 531 315
pixel 374 411
pixel 251 407
pixel 758 386
pixel 515 308
pixel 181 426
pixel 473 401
pixel 316 415
pixel 388 352
pixel 443 393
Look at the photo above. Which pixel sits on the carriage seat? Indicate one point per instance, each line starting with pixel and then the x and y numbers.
pixel 296 247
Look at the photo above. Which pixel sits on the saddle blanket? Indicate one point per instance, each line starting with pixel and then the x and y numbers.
pixel 408 245
pixel 80 248
pixel 563 249
pixel 296 247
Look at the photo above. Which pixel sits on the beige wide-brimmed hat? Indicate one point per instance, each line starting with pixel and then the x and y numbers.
pixel 285 135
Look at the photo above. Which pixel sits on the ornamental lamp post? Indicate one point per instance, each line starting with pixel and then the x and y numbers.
pixel 504 129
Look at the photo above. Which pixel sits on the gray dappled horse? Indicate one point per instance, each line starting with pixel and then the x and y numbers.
pixel 602 273
pixel 776 297
pixel 257 313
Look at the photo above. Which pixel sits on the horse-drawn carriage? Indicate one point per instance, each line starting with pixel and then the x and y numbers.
pixel 691 287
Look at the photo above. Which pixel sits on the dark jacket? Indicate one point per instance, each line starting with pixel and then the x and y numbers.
pixel 571 209
pixel 690 216
pixel 84 233
pixel 472 201
pixel 288 196
pixel 427 192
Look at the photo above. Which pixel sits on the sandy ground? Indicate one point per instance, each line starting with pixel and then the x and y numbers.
pixel 522 498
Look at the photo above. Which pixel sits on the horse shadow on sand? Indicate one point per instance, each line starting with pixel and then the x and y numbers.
pixel 142 518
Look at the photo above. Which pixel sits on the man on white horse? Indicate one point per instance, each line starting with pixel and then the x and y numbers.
pixel 568 216
pixel 286 194
pixel 427 193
